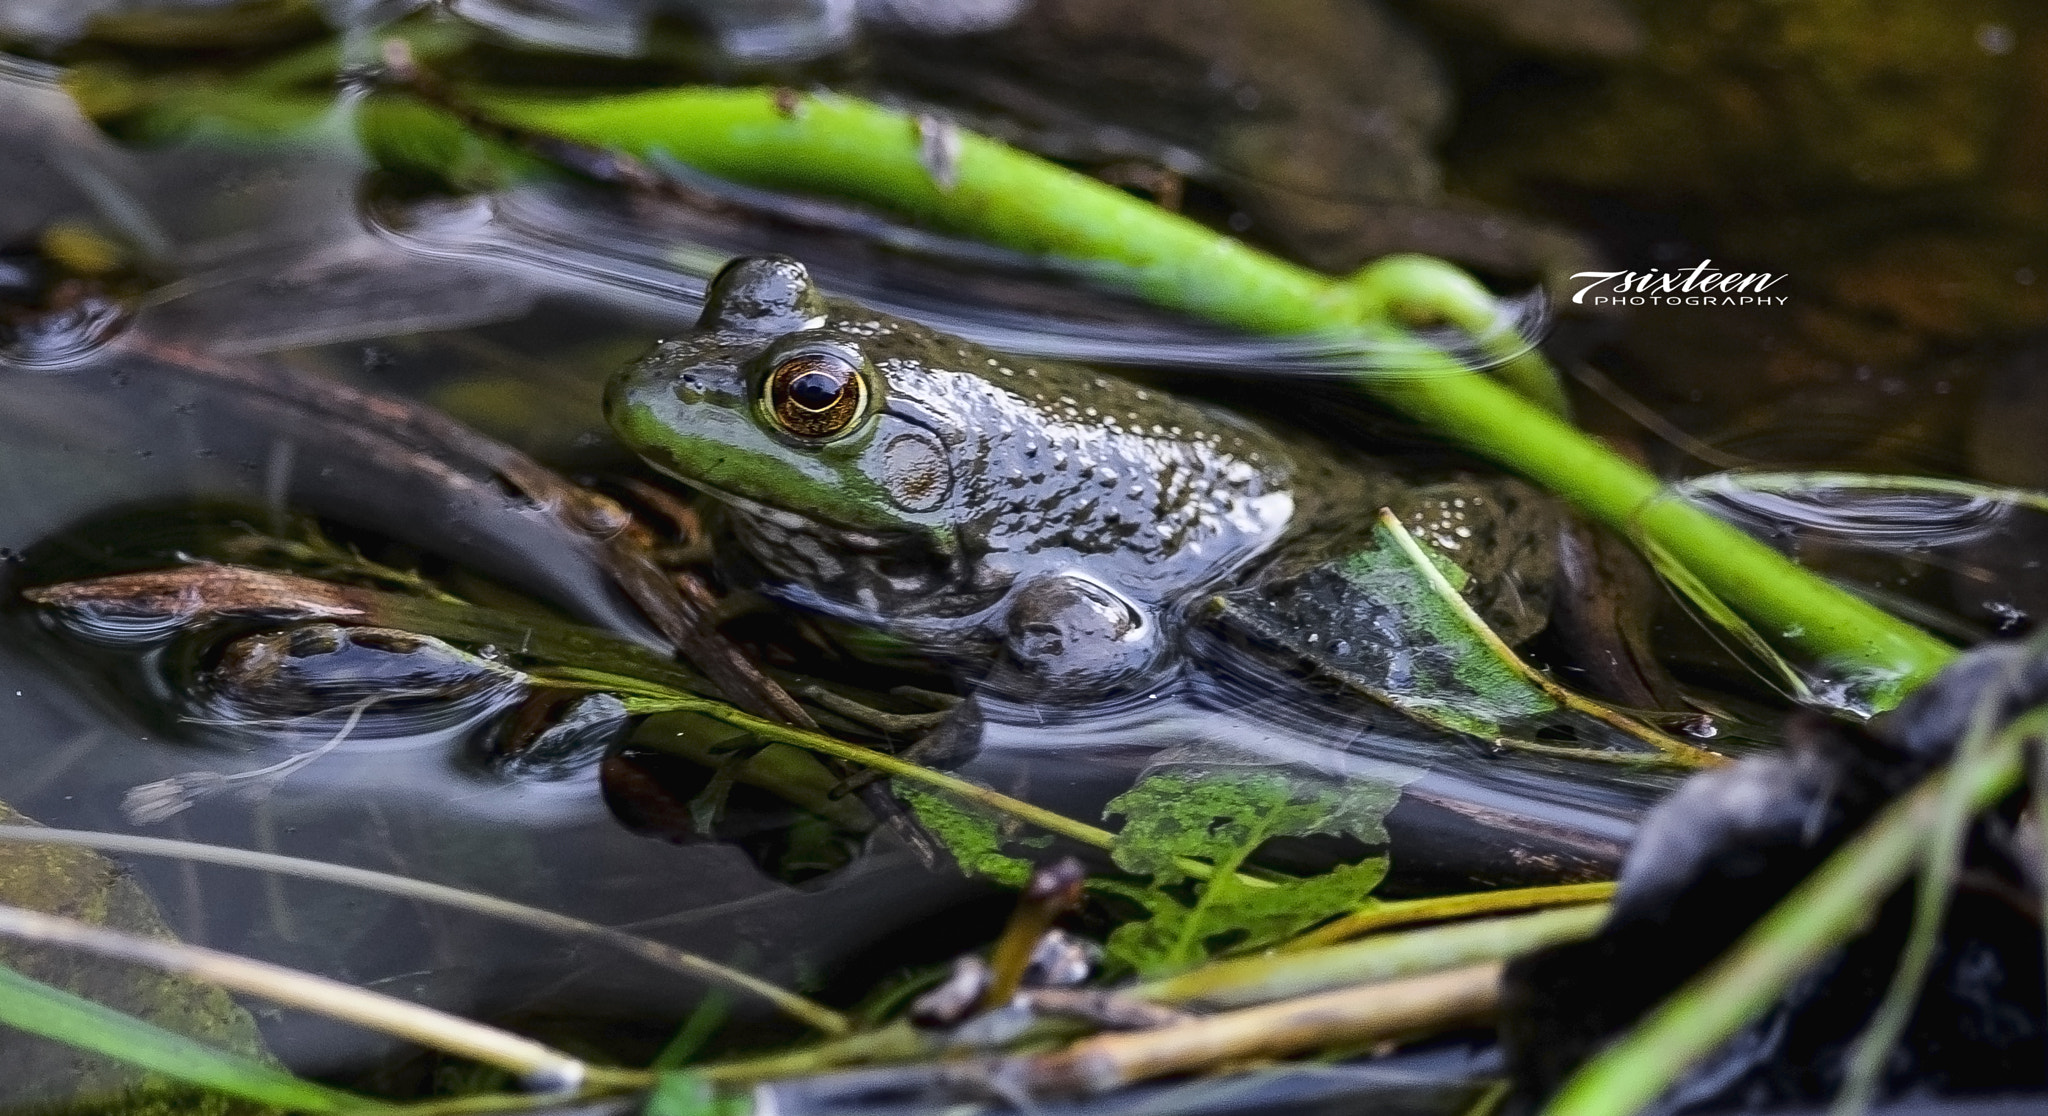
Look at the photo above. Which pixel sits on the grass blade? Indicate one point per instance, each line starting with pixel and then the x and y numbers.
pixel 40 1009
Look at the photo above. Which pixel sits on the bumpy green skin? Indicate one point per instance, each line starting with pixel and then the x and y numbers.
pixel 1067 517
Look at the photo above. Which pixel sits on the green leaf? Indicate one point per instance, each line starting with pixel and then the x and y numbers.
pixel 55 1014
pixel 1233 916
pixel 1479 693
pixel 1222 813
pixel 973 836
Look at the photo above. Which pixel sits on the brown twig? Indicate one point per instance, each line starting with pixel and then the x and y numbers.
pixel 1054 890
pixel 1346 1018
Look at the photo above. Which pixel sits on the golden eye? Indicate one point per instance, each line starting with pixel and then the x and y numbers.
pixel 815 395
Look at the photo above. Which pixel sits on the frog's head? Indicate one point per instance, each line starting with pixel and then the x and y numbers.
pixel 771 402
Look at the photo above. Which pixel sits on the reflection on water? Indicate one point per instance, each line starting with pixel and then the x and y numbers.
pixel 582 238
pixel 273 255
pixel 287 269
pixel 1955 556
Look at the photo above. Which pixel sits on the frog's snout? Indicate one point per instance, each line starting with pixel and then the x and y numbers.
pixel 679 372
pixel 708 386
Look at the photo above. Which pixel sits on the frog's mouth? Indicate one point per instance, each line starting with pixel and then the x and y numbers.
pixel 877 579
pixel 783 522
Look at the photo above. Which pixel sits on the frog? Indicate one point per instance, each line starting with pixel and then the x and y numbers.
pixel 1053 531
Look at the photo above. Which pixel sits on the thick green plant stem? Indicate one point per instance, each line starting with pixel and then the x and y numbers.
pixel 929 173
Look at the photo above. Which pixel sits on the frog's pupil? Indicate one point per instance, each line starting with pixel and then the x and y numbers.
pixel 815 391
pixel 814 395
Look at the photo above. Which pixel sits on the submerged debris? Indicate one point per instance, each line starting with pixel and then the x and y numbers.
pixel 1731 843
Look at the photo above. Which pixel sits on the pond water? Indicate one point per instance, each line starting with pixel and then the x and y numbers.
pixel 131 439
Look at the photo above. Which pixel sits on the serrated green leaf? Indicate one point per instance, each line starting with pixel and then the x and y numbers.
pixel 1222 814
pixel 1231 916
pixel 974 837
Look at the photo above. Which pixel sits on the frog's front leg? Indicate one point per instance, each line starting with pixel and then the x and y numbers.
pixel 1069 639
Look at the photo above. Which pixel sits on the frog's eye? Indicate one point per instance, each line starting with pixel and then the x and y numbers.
pixel 815 395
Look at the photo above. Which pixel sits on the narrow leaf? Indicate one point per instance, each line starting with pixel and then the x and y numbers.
pixel 53 1013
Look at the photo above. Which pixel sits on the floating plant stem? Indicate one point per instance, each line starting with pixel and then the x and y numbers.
pixel 1678 750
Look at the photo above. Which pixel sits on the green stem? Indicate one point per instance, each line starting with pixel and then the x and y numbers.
pixel 643 696
pixel 838 145
pixel 1379 916
pixel 1779 597
pixel 1278 976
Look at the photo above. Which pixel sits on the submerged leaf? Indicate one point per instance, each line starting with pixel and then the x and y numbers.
pixel 973 836
pixel 1457 680
pixel 1230 914
pixel 1222 814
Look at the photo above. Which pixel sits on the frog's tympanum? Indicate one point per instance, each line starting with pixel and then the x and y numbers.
pixel 1052 529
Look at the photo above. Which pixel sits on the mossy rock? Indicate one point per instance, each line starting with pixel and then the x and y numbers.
pixel 46 1076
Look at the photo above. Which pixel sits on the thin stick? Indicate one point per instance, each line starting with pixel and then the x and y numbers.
pixel 1053 890
pixel 490 906
pixel 1348 1017
pixel 542 1068
pixel 642 696
pixel 1678 750
pixel 1261 978
pixel 679 702
pixel 1383 916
